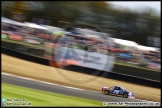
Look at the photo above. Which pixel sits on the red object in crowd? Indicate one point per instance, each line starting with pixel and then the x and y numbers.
pixel 121 51
pixel 2 32
pixel 91 39
pixel 44 36
pixel 156 60
pixel 15 37
pixel 154 66
pixel 114 49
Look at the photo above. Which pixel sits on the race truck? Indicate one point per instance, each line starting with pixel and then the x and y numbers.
pixel 117 91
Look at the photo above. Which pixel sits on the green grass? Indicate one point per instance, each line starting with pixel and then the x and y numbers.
pixel 42 98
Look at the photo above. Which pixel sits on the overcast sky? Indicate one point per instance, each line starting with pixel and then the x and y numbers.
pixel 136 5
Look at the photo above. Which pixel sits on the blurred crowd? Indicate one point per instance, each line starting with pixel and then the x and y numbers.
pixel 83 39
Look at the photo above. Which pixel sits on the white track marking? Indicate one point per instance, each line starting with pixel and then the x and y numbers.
pixel 55 84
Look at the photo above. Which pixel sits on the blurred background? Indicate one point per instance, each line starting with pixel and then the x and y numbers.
pixel 41 31
pixel 134 33
pixel 128 24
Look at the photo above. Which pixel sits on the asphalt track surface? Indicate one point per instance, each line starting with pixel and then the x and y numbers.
pixel 63 90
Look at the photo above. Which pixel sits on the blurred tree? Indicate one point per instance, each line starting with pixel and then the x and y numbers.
pixel 134 26
pixel 19 10
pixel 6 8
pixel 19 7
pixel 99 7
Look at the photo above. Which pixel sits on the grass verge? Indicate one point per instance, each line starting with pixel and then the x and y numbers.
pixel 43 98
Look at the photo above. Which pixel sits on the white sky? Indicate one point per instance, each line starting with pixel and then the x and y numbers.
pixel 137 5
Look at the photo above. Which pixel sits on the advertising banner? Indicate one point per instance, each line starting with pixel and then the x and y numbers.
pixel 4 36
pixel 83 58
pixel 59 33
pixel 15 37
pixel 154 66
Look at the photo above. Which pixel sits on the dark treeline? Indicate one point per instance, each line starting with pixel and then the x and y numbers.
pixel 129 25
